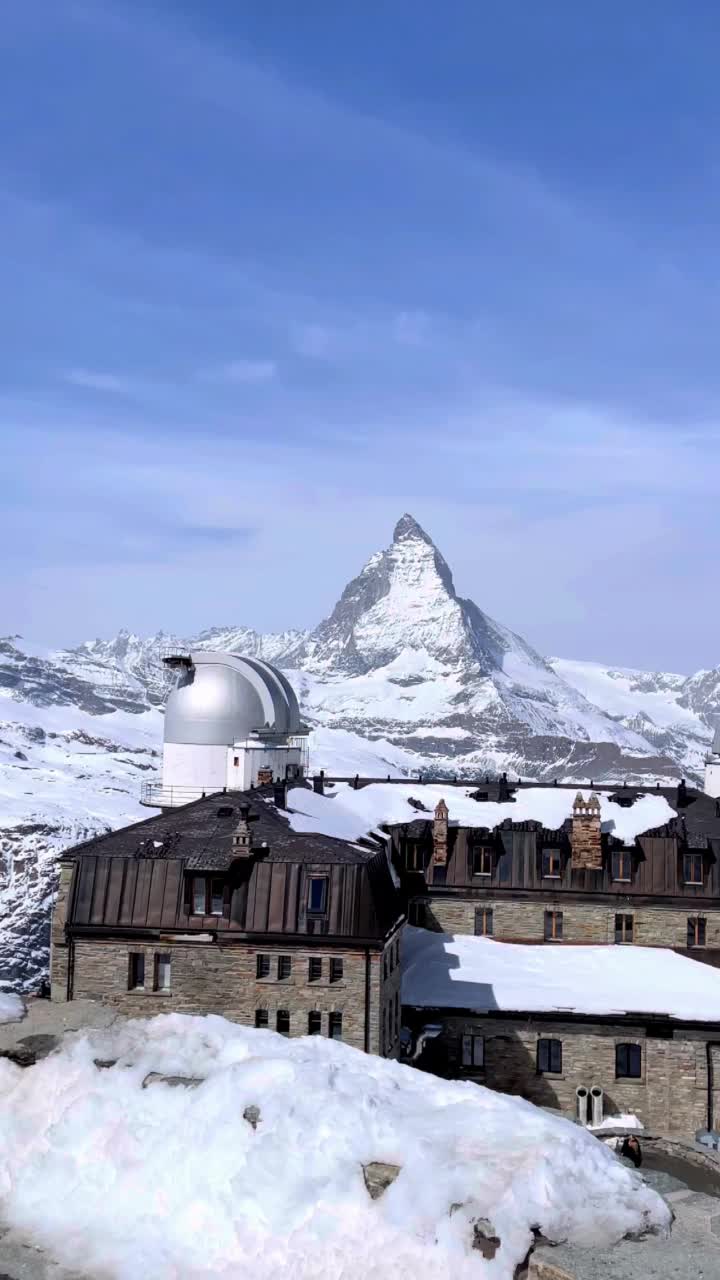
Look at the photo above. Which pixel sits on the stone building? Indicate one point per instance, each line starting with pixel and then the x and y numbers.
pixel 643 1028
pixel 219 906
pixel 627 878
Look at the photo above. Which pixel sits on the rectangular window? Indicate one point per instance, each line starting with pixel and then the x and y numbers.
pixel 696 931
pixel 314 969
pixel 261 1017
pixel 162 971
pixel 484 922
pixel 236 761
pixel 282 1022
pixel 692 868
pixel 314 1023
pixel 482 861
pixel 473 1051
pixel 217 897
pixel 551 864
pixel 549 1056
pixel 136 971
pixel 621 864
pixel 553 926
pixel 623 929
pixel 628 1061
pixel 335 1026
pixel 262 966
pixel 414 857
pixel 284 967
pixel 198 895
pixel 336 970
pixel 317 895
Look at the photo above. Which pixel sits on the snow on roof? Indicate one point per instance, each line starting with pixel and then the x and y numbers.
pixel 100 1172
pixel 349 814
pixel 12 1008
pixel 463 972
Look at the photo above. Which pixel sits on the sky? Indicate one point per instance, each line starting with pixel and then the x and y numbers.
pixel 273 274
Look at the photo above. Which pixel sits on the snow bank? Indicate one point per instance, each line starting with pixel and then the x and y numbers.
pixel 445 971
pixel 625 1121
pixel 168 1182
pixel 349 814
pixel 12 1008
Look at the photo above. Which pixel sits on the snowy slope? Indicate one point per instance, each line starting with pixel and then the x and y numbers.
pixel 102 1174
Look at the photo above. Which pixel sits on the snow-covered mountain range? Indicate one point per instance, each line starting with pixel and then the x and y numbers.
pixel 404 675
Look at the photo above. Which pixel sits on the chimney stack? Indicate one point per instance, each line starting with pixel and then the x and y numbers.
pixel 280 793
pixel 319 783
pixel 586 839
pixel 440 834
pixel 242 838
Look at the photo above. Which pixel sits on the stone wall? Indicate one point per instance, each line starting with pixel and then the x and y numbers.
pixel 522 921
pixel 58 943
pixel 208 978
pixel 670 1097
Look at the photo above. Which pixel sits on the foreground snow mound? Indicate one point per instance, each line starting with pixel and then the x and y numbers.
pixel 167 1182
pixel 12 1008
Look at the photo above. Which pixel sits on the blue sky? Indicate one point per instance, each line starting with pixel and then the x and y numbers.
pixel 273 274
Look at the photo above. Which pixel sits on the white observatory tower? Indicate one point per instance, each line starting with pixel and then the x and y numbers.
pixel 230 723
pixel 712 767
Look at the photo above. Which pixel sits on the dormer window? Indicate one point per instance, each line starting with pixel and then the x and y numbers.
pixel 622 864
pixel 207 896
pixel 317 895
pixel 551 865
pixel 482 861
pixel 692 868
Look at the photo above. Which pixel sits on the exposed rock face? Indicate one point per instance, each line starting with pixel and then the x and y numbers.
pixel 175 1082
pixel 378 1177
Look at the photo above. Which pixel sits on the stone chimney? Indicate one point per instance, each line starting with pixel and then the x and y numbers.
pixel 586 839
pixel 242 836
pixel 440 834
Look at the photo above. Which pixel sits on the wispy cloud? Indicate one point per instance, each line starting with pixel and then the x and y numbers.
pixel 93 380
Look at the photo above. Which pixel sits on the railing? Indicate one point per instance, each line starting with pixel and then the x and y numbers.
pixel 156 796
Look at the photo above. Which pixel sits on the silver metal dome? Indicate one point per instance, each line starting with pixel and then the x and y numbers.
pixel 221 698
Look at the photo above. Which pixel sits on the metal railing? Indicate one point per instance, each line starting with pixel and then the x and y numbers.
pixel 156 796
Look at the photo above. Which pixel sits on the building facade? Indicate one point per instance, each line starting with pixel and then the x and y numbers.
pixel 519 881
pixel 221 907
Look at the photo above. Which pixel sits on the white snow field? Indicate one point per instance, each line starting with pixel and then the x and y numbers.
pixel 172 1183
pixel 349 814
pixel 442 970
pixel 11 1007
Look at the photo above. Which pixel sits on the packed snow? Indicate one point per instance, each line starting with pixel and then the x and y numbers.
pixel 441 970
pixel 11 1007
pixel 623 1121
pixel 162 1182
pixel 350 814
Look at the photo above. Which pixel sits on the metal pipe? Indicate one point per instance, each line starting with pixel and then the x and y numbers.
pixel 597 1100
pixel 581 1094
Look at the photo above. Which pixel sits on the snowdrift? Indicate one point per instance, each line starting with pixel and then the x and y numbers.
pixel 12 1008
pixel 166 1182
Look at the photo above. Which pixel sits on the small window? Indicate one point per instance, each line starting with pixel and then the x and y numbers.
pixel 696 931
pixel 315 969
pixel 236 761
pixel 482 861
pixel 484 922
pixel 217 897
pixel 282 1022
pixel 336 970
pixel 136 971
pixel 261 1017
pixel 621 864
pixel 335 1026
pixel 317 895
pixel 551 864
pixel 284 967
pixel 553 926
pixel 262 966
pixel 162 971
pixel 549 1056
pixel 414 857
pixel 628 1061
pixel 198 895
pixel 692 868
pixel 623 929
pixel 416 914
pixel 314 1023
pixel 473 1051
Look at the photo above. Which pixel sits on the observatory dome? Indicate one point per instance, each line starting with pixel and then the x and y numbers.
pixel 221 699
